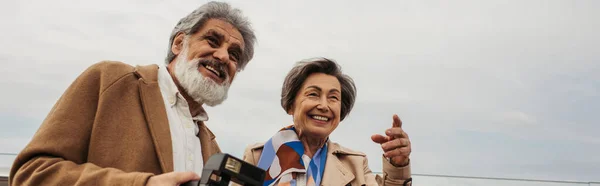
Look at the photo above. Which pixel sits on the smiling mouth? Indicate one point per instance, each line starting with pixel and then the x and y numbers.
pixel 319 118
pixel 214 70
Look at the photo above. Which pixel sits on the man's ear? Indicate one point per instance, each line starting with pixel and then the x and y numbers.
pixel 177 45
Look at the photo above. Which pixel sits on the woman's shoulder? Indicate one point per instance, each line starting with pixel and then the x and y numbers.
pixel 255 146
pixel 337 149
pixel 354 160
pixel 252 152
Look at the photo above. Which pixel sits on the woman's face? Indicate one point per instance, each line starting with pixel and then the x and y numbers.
pixel 317 106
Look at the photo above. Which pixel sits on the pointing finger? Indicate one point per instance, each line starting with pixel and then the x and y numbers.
pixel 397 122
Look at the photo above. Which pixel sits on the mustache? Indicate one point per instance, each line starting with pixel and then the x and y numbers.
pixel 216 64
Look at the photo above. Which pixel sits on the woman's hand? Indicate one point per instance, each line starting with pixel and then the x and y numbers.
pixel 395 144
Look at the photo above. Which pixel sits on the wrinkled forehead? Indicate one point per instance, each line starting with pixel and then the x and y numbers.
pixel 322 82
pixel 224 29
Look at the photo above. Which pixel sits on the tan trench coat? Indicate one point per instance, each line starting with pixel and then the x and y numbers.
pixel 346 167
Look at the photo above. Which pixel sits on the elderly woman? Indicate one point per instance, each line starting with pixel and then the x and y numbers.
pixel 318 97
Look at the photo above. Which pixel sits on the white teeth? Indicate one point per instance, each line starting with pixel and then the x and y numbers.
pixel 213 70
pixel 320 118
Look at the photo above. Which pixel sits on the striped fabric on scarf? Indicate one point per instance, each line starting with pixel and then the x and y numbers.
pixel 283 158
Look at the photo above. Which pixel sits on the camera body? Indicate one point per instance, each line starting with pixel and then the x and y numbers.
pixel 222 168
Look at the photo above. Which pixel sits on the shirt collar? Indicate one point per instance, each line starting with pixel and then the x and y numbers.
pixel 168 87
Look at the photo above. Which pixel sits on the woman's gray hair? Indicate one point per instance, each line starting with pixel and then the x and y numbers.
pixel 216 10
pixel 296 77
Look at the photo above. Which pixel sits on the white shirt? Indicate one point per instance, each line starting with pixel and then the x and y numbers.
pixel 187 154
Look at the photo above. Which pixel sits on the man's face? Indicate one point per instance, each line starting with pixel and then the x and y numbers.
pixel 206 61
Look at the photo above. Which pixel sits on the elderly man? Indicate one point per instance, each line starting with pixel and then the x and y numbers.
pixel 124 125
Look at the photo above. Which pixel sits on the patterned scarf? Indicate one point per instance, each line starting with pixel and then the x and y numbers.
pixel 283 158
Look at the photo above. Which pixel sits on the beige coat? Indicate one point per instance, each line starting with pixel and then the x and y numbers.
pixel 346 167
pixel 108 128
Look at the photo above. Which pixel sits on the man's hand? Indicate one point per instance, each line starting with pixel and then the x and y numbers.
pixel 172 179
pixel 395 144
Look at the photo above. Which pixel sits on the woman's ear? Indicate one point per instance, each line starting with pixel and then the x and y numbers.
pixel 291 111
pixel 177 45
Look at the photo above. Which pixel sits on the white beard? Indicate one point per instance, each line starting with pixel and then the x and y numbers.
pixel 202 89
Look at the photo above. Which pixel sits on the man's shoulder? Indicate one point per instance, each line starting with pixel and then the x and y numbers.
pixel 117 69
pixel 107 73
pixel 111 67
pixel 107 70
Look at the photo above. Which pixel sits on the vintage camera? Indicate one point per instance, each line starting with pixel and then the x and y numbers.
pixel 221 168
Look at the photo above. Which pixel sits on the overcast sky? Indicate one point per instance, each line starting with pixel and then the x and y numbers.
pixel 504 88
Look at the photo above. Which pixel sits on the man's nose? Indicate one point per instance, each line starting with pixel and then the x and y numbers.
pixel 221 54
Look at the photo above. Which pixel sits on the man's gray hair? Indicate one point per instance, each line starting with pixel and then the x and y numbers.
pixel 216 10
pixel 295 79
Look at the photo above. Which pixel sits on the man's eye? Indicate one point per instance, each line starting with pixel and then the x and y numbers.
pixel 313 94
pixel 212 41
pixel 234 56
pixel 335 98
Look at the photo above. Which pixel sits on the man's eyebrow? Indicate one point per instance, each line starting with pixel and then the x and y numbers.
pixel 215 33
pixel 236 48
